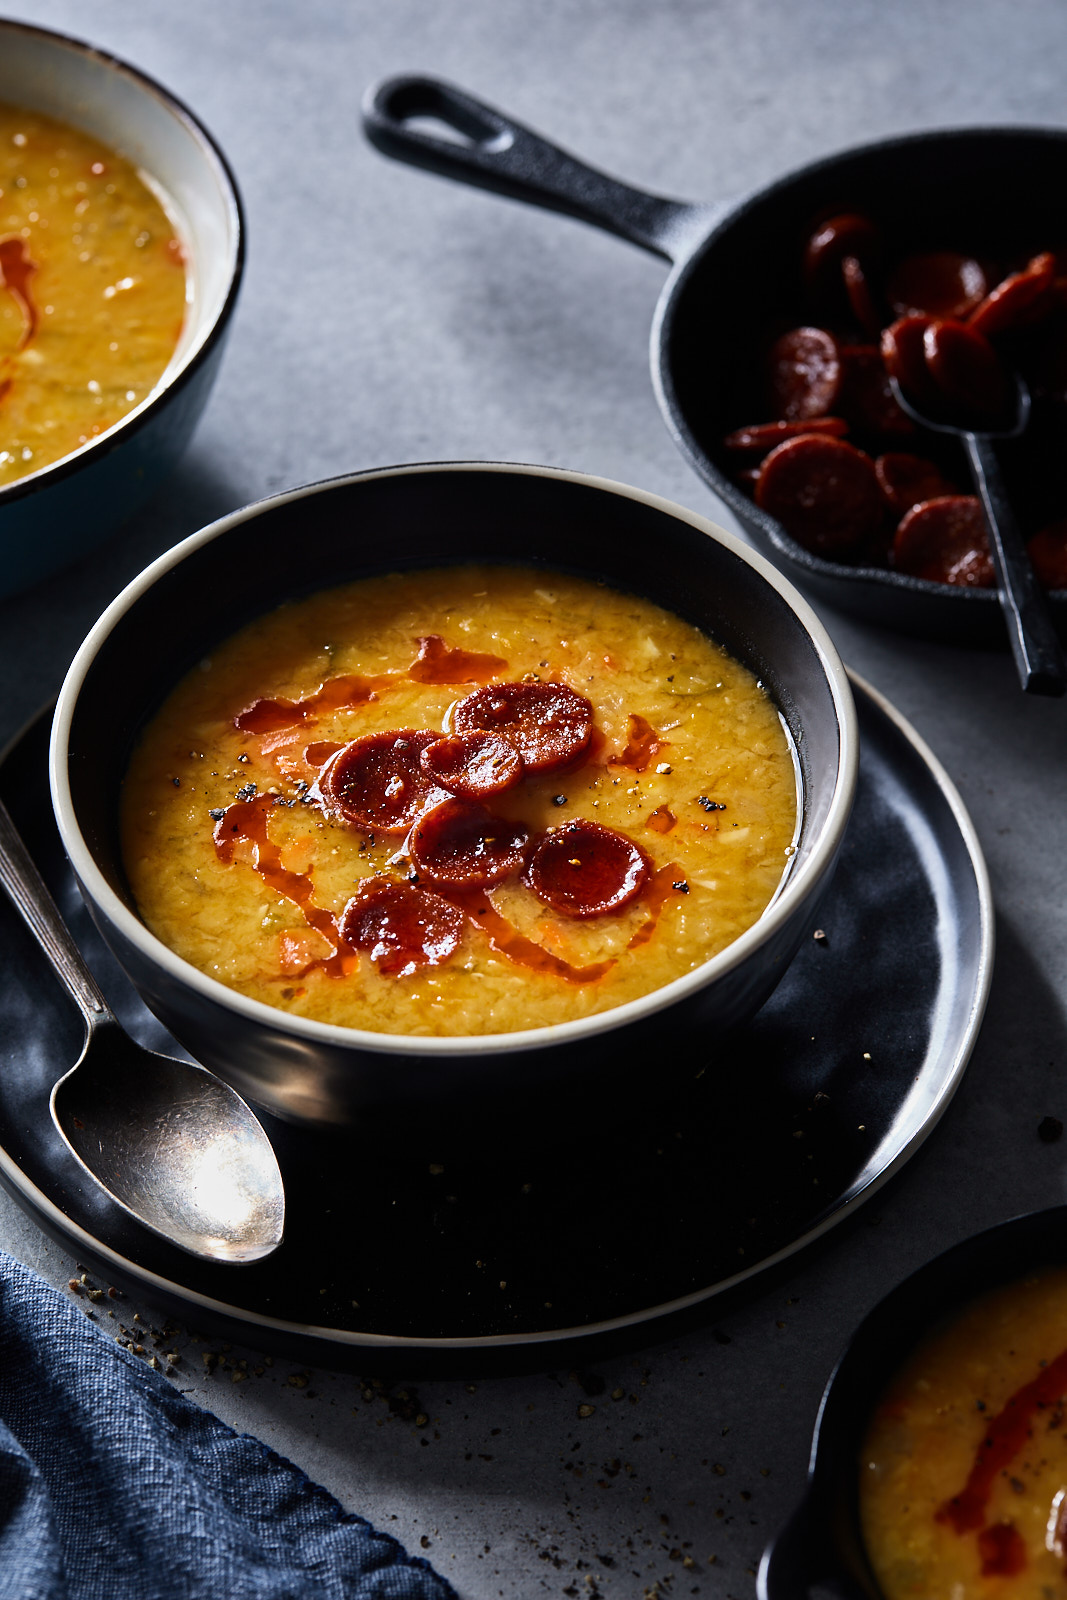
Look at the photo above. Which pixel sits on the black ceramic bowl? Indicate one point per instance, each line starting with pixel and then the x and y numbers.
pixel 820 1550
pixel 736 282
pixel 405 518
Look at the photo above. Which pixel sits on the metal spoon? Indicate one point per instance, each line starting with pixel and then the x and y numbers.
pixel 168 1141
pixel 1034 641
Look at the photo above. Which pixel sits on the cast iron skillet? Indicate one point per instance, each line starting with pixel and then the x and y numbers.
pixel 736 276
pixel 820 1549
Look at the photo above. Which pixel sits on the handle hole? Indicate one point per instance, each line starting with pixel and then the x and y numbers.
pixel 431 127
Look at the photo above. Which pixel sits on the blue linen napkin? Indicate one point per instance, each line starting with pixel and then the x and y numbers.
pixel 114 1486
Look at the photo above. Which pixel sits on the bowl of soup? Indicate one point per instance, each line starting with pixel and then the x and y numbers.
pixel 439 784
pixel 121 248
pixel 939 1464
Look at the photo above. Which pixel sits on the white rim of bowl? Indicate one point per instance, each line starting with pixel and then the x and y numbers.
pixel 176 373
pixel 136 933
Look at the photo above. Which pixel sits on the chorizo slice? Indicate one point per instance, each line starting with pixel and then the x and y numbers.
pixel 824 493
pixel 861 296
pixel 759 437
pixel 906 480
pixel 1048 555
pixel 849 233
pixel 945 541
pixel 401 926
pixel 966 369
pixel 804 374
pixel 472 765
pixel 867 400
pixel 378 782
pixel 550 724
pixel 903 349
pixel 937 283
pixel 465 846
pixel 1019 299
pixel 585 870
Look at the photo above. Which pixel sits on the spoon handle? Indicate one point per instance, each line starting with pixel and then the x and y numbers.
pixel 30 897
pixel 1034 641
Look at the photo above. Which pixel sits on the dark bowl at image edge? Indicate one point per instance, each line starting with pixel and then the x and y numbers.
pixel 407 518
pixel 56 514
pixel 991 192
pixel 820 1550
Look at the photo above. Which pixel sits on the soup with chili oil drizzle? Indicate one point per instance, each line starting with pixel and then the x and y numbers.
pixel 93 290
pixel 963 1487
pixel 464 801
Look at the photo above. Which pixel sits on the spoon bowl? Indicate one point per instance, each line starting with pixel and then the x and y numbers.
pixel 165 1139
pixel 174 1145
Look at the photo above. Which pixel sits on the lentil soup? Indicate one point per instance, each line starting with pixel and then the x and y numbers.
pixel 963 1487
pixel 464 801
pixel 92 290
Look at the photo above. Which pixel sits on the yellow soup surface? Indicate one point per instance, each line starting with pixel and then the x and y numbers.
pixel 240 865
pixel 963 1487
pixel 92 290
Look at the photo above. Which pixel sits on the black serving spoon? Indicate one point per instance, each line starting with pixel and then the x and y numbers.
pixel 1034 642
pixel 736 272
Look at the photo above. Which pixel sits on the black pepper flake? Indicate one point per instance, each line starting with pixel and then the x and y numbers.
pixel 559 799
pixel 1049 1129
pixel 216 814
pixel 246 791
pixel 177 782
pixel 243 756
pixel 710 805
pixel 682 887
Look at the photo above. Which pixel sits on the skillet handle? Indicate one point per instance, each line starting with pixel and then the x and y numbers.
pixel 500 154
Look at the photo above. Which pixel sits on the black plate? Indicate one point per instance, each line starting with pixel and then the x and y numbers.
pixel 394 1248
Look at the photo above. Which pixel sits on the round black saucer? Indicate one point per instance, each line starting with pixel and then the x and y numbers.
pixel 638 1210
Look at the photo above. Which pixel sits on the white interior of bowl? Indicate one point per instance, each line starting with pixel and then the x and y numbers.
pixel 72 82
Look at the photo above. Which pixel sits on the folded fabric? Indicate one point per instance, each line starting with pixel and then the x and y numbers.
pixel 114 1486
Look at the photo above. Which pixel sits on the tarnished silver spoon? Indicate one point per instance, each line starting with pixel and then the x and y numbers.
pixel 168 1141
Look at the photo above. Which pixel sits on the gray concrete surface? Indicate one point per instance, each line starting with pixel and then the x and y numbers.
pixel 389 316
